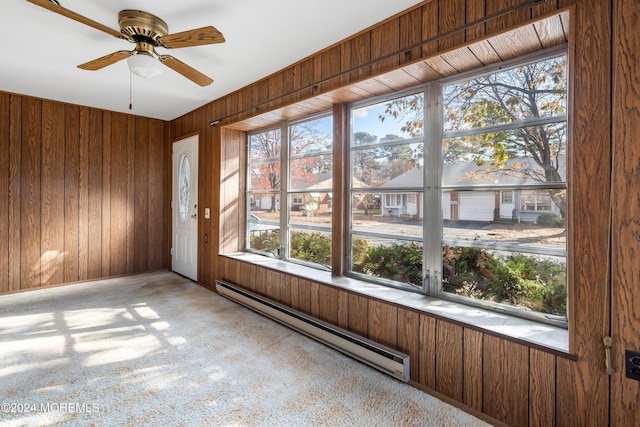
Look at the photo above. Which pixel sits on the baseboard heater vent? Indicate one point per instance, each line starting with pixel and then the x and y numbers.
pixel 376 355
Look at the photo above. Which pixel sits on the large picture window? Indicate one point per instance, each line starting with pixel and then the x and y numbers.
pixel 486 171
pixel 290 207
pixel 455 189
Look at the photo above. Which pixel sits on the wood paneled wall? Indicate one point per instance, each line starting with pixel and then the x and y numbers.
pixel 509 380
pixel 625 308
pixel 82 193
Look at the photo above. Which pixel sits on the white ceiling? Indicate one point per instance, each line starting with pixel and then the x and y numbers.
pixel 41 49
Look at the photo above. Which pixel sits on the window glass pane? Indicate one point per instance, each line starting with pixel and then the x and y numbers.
pixel 310 172
pixel 369 213
pixel 377 166
pixel 393 120
pixel 390 259
pixel 312 209
pixel 529 91
pixel 528 155
pixel 505 241
pixel 530 281
pixel 264 163
pixel 310 246
pixel 311 136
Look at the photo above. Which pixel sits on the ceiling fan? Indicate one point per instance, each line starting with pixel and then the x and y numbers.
pixel 147 31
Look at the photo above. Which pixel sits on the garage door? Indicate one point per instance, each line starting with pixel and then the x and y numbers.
pixel 476 205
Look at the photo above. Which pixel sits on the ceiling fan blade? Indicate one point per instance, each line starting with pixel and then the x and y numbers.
pixel 76 17
pixel 112 58
pixel 197 37
pixel 187 71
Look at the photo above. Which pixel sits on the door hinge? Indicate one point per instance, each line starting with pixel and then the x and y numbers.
pixel 607 355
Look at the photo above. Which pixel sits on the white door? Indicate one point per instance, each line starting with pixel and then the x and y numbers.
pixel 184 245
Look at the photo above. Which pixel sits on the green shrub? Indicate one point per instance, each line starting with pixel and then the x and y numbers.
pixel 310 246
pixel 398 262
pixel 519 280
pixel 550 220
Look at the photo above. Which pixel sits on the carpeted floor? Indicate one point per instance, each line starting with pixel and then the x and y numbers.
pixel 158 350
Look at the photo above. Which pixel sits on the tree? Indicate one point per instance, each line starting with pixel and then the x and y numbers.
pixel 305 139
pixel 265 162
pixel 488 108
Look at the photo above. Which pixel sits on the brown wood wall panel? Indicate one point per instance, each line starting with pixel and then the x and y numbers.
pixel 625 392
pixel 4 191
pixel 409 339
pixel 506 380
pixel 358 314
pixel 449 363
pixel 141 188
pixel 119 194
pixel 542 388
pixel 30 197
pixel 473 349
pixel 52 260
pixel 71 196
pixel 590 190
pixel 83 193
pixel 95 191
pixel 64 193
pixel 15 191
pixel 427 356
pixel 383 323
pixel 106 189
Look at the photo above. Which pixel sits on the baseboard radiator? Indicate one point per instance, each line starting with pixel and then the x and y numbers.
pixel 376 355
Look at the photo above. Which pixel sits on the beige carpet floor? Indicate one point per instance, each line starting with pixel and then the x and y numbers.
pixel 158 350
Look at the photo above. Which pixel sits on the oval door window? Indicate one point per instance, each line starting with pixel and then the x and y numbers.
pixel 184 191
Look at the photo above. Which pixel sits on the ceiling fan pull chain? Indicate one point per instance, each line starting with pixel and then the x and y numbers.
pixel 130 90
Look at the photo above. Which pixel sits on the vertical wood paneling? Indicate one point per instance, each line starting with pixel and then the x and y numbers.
pixel 449 364
pixel 71 193
pixel 542 388
pixel 106 195
pixel 118 194
pixel 64 195
pixel 343 309
pixel 52 186
pixel 157 217
pixel 30 193
pixel 474 10
pixel 358 314
pixel 360 55
pixel 83 193
pixel 383 323
pixel 385 40
pixel 583 384
pixel 625 392
pixel 328 304
pixel 506 381
pixel 427 357
pixel 131 197
pixel 15 192
pixel 141 189
pixel 4 191
pixel 409 339
pixel 410 34
pixel 472 356
pixel 451 17
pixel 94 201
pixel 304 296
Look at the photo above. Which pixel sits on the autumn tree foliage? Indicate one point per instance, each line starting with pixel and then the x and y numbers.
pixel 512 121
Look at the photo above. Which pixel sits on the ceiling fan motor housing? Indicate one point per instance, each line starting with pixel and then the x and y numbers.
pixel 141 26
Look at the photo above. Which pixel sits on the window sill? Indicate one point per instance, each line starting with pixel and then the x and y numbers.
pixel 528 332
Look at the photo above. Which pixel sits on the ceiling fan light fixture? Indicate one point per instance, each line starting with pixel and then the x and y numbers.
pixel 144 65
